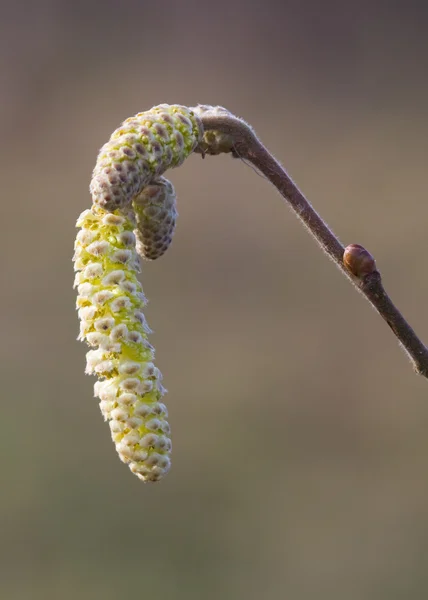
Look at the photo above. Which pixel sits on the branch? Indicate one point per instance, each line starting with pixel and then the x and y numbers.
pixel 226 133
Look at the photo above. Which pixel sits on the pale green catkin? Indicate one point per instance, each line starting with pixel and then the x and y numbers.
pixel 133 212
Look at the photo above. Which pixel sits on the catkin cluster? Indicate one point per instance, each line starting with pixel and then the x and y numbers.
pixel 133 213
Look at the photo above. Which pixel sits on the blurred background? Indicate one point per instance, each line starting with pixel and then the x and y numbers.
pixel 300 447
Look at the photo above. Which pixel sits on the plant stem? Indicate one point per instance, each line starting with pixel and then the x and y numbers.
pixel 225 132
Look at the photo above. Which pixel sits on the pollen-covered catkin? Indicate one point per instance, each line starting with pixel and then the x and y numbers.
pixel 141 150
pixel 110 301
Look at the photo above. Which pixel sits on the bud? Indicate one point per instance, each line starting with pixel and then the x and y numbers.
pixel 358 261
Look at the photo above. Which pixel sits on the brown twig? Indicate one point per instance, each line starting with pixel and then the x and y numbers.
pixel 225 132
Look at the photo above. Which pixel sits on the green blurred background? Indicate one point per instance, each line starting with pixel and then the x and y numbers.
pixel 300 448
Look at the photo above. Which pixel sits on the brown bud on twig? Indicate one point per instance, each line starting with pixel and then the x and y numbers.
pixel 358 261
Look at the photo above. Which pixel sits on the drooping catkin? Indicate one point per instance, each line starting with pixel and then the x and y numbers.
pixel 110 301
pixel 133 213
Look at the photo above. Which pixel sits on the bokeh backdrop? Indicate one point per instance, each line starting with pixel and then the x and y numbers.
pixel 300 447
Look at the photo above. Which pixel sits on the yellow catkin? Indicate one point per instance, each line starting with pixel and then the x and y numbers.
pixel 110 301
pixel 133 214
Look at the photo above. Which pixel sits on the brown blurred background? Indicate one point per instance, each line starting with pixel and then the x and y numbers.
pixel 300 460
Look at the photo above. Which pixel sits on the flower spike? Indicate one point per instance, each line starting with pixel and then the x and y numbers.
pixel 133 214
pixel 110 300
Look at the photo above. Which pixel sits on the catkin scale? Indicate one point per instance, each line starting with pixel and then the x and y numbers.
pixel 133 213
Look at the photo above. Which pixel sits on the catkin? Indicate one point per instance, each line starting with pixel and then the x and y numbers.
pixel 133 214
pixel 110 301
pixel 156 213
